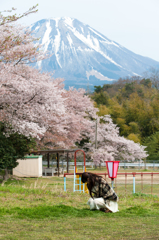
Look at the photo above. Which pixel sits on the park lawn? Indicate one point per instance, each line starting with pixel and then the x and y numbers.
pixel 40 209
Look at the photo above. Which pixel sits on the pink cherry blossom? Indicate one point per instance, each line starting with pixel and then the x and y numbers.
pixel 34 104
pixel 111 146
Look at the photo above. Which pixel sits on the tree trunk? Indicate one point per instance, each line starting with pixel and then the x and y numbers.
pixel 6 175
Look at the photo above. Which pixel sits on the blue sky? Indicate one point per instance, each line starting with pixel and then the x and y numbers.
pixel 132 23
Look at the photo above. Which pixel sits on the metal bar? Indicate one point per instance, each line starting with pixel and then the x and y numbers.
pixel 40 152
pixel 133 183
pixel 64 183
pixel 136 173
pixel 112 182
pixel 151 183
pixel 141 182
pixel 125 183
pixel 80 184
pixel 74 179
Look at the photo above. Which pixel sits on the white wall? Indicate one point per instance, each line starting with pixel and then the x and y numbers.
pixel 31 166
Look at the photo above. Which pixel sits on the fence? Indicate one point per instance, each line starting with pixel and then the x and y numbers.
pixel 139 165
pixel 132 182
pixel 123 165
pixel 149 180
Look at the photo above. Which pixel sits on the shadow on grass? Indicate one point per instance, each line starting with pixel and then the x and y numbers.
pixel 63 211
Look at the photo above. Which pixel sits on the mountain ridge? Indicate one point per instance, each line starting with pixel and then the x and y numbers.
pixel 83 56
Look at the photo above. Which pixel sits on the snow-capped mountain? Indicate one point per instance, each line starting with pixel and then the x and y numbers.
pixel 83 56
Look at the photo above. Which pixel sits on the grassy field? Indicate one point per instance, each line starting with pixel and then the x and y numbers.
pixel 40 209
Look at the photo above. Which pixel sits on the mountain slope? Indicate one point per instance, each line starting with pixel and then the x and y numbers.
pixel 83 56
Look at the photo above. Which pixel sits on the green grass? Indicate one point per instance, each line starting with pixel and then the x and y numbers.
pixel 40 209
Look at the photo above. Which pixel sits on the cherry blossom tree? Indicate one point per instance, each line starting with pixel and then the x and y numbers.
pixel 16 42
pixel 14 17
pixel 77 120
pixel 30 101
pixel 35 105
pixel 111 146
pixel 20 85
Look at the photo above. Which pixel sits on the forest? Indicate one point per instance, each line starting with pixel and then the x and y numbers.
pixel 133 104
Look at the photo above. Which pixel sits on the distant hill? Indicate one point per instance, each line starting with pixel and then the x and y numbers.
pixel 83 56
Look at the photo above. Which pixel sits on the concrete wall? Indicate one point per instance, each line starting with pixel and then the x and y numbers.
pixel 31 166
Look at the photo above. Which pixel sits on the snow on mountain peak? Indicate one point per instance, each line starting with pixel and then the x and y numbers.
pixel 81 53
pixel 69 39
pixel 46 38
pixel 68 21
pixel 57 20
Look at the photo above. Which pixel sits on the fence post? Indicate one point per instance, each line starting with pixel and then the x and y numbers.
pixel 64 183
pixel 151 182
pixel 141 182
pixel 74 180
pixel 133 183
pixel 125 182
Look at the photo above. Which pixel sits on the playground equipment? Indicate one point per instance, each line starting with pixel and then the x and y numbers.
pixel 77 182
